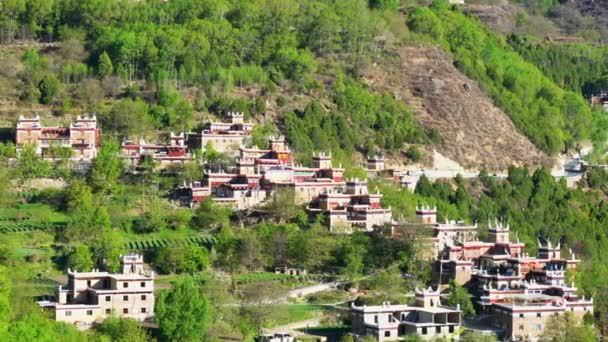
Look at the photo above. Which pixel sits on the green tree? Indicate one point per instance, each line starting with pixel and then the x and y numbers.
pixel 49 88
pixel 122 330
pixel 176 260
pixel 80 258
pixel 183 313
pixel 565 328
pixel 460 296
pixel 282 206
pixel 35 327
pixel 354 260
pixel 108 248
pixel 106 168
pixel 210 215
pixel 387 283
pixel 153 218
pixel 29 164
pixel 104 65
pixel 127 117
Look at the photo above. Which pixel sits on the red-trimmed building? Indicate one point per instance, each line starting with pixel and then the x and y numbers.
pixel 226 136
pixel 175 152
pixel 82 137
pixel 355 207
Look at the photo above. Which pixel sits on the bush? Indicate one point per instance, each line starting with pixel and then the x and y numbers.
pixel 281 101
pixel 413 154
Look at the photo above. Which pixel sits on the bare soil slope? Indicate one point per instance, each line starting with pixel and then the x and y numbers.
pixel 475 133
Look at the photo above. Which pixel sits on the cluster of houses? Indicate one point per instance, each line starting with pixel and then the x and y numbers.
pixel 517 291
pixel 257 175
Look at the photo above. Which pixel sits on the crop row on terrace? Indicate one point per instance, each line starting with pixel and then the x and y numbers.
pixel 158 243
pixel 21 227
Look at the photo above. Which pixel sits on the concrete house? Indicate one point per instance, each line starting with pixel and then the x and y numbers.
pixel 389 322
pixel 90 297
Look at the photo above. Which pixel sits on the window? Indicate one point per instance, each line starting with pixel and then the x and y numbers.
pixel 451 329
pixel 89 312
pixel 108 311
pixel 387 334
pixel 68 313
pixel 142 284
pixel 108 298
pixel 88 283
pixel 438 330
pixel 143 297
pixel 390 318
pixel 125 311
pixel 424 331
pixel 125 298
pixel 143 310
pixel 375 318
pixel 539 315
pixel 125 285
pixel 521 315
pixel 521 327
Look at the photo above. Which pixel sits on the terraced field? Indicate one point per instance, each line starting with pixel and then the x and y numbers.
pixel 205 241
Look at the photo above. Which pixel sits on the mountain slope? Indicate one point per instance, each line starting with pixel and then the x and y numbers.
pixel 475 132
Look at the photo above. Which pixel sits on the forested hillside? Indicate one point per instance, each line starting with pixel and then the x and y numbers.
pixel 147 66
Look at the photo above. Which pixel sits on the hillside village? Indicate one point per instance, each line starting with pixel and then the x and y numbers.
pixel 505 281
pixel 281 171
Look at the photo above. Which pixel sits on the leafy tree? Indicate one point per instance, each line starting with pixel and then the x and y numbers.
pixel 187 259
pixel 460 296
pixel 49 88
pixel 250 251
pixel 354 260
pixel 153 218
pixel 106 168
pixel 122 329
pixel 36 327
pixel 80 258
pixel 108 248
pixel 183 313
pixel 104 66
pixel 566 328
pixel 127 117
pixel 282 206
pixel 387 283
pixel 210 215
pixel 29 164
